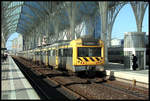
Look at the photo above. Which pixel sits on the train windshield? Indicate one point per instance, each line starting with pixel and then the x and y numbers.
pixel 89 51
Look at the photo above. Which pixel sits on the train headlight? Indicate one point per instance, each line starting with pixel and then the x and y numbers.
pixel 100 68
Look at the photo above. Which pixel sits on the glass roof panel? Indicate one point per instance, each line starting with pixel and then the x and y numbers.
pixel 27 10
pixel 13 18
pixel 26 18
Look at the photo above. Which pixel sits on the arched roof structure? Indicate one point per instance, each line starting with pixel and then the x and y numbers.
pixel 22 16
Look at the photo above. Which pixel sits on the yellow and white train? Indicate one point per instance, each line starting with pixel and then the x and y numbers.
pixel 76 55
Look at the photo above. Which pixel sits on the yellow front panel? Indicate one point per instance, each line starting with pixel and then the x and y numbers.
pixel 97 60
pixel 56 58
pixel 46 58
pixel 74 56
pixel 90 61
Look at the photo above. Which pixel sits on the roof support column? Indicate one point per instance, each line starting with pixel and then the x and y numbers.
pixel 42 31
pixel 39 37
pixel 25 42
pixel 28 42
pixel 139 11
pixel 103 10
pixel 3 44
pixel 56 28
pixel 36 36
pixel 72 14
pixel 46 30
pixel 50 31
pixel 31 41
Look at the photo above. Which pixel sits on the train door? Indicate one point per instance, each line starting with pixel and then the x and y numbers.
pixel 62 59
pixel 56 55
pixel 43 57
pixel 46 53
pixel 64 55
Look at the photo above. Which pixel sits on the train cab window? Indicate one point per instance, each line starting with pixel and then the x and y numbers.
pixel 89 51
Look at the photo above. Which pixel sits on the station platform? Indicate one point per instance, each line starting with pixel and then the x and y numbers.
pixel 14 84
pixel 119 71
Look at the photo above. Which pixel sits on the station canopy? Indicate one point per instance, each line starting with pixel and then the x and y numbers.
pixel 22 16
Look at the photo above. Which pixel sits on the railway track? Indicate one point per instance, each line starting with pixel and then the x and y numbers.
pixel 35 83
pixel 136 94
pixel 42 87
pixel 84 88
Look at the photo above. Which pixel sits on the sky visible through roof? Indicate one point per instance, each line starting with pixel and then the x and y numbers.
pixel 125 22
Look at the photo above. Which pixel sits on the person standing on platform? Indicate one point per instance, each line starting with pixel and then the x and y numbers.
pixel 134 60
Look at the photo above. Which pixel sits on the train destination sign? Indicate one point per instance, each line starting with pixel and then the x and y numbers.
pixel 90 43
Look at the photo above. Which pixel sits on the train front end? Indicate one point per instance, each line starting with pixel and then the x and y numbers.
pixel 89 55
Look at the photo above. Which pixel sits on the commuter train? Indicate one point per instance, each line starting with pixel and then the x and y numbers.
pixel 72 55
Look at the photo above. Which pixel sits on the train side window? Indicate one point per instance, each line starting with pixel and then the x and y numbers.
pixel 62 52
pixel 53 52
pixel 109 52
pixel 49 53
pixel 69 52
pixel 65 52
pixel 59 52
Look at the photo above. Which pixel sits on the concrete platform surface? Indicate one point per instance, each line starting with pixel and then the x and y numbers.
pixel 14 84
pixel 118 70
